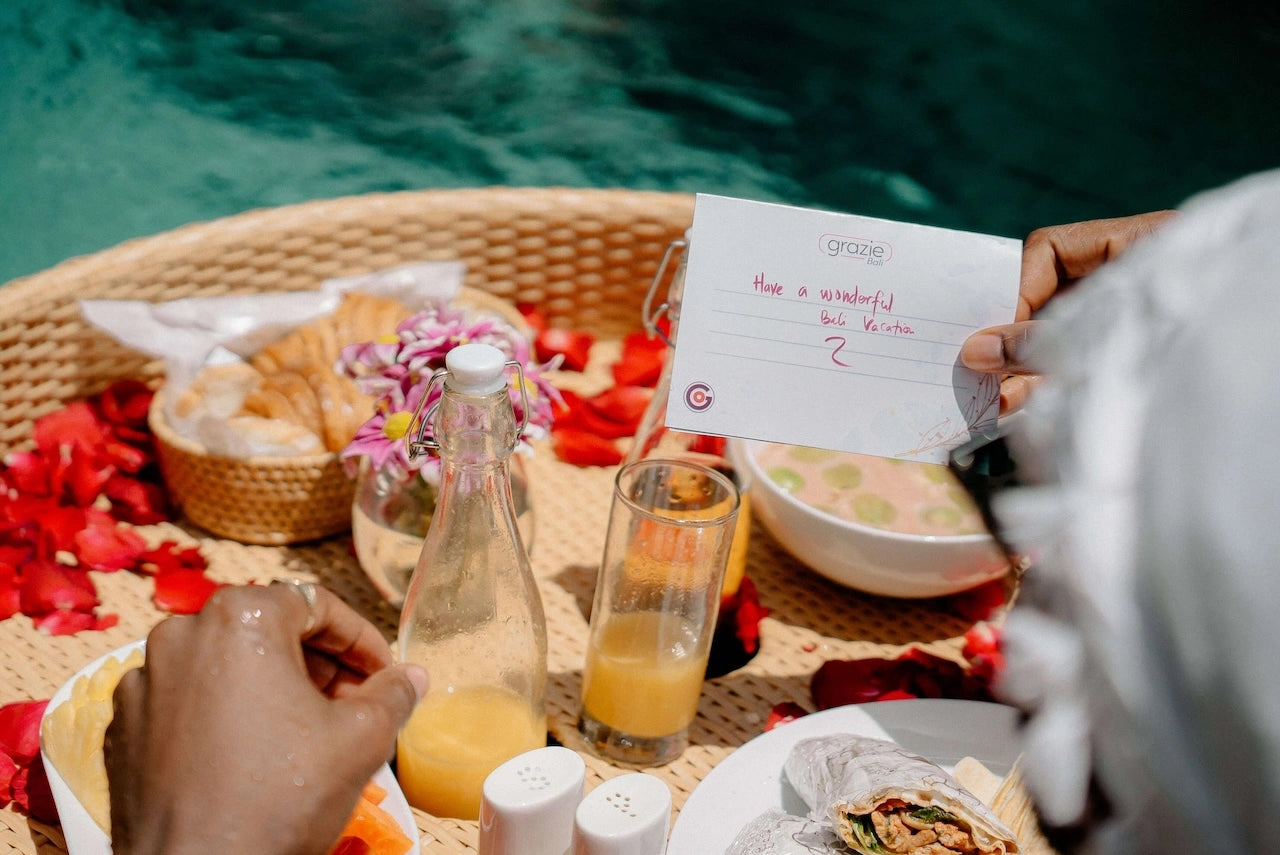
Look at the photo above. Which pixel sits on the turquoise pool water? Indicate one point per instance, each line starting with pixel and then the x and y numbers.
pixel 120 118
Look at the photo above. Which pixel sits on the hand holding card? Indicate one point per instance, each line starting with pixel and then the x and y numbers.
pixel 836 331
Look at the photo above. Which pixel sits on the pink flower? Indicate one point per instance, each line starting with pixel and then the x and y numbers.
pixel 397 370
pixel 382 439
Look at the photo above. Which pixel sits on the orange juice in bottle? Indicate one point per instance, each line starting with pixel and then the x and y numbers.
pixel 472 614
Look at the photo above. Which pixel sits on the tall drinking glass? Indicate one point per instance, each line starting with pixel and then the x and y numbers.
pixel 671 525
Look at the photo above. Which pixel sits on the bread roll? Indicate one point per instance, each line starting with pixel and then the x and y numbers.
pixel 293 382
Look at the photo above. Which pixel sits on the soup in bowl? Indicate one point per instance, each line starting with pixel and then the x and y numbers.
pixel 892 527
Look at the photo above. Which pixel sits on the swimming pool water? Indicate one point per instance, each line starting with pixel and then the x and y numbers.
pixel 121 118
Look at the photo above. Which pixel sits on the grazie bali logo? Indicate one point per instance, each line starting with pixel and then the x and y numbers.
pixel 873 252
pixel 698 397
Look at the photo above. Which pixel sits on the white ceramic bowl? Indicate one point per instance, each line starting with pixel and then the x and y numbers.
pixel 860 556
pixel 82 834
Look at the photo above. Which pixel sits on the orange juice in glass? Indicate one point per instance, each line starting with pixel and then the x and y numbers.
pixel 644 655
pixel 671 528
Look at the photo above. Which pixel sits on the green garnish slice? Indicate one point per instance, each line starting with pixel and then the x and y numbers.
pixel 865 833
pixel 843 476
pixel 933 814
pixel 787 479
pixel 873 509
pixel 942 517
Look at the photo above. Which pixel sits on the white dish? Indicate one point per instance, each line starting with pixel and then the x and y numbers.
pixel 875 560
pixel 83 835
pixel 749 781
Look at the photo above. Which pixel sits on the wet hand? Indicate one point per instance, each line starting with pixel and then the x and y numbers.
pixel 253 725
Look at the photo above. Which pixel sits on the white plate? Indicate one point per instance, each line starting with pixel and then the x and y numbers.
pixel 83 835
pixel 749 781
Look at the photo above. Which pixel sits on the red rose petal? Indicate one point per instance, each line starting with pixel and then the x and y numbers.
pixel 983 649
pixel 980 603
pixel 534 318
pixel 748 614
pixel 915 673
pixel 10 600
pixel 850 681
pixel 168 557
pixel 138 437
pixel 10 591
pixel 68 622
pixel 28 472
pixel 622 404
pixel 59 527
pixel 74 424
pixel 83 477
pixel 49 587
pixel 126 403
pixel 8 769
pixel 584 449
pixel 109 548
pixel 20 729
pixel 25 518
pixel 641 361
pixel 713 445
pixel 897 695
pixel 570 403
pixel 49 508
pixel 124 456
pixel 783 713
pixel 573 346
pixel 183 592
pixel 31 793
pixel 14 555
pixel 577 414
pixel 137 502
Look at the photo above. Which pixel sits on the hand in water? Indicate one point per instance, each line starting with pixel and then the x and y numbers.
pixel 253 725
pixel 1053 259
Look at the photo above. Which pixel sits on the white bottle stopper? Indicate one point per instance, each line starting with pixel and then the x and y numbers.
pixel 476 369
pixel 527 804
pixel 626 815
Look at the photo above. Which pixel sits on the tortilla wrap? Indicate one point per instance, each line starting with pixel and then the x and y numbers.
pixel 882 799
pixel 777 832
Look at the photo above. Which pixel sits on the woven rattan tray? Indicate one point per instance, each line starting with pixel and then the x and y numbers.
pixel 585 258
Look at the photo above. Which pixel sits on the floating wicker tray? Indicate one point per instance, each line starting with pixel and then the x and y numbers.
pixel 585 259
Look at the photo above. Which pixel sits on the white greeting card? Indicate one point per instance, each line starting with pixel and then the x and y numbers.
pixel 835 330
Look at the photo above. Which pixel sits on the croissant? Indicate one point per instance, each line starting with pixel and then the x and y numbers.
pixel 294 380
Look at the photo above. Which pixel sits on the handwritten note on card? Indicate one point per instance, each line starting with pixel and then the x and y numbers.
pixel 836 331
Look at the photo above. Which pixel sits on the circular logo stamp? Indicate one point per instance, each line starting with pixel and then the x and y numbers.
pixel 698 397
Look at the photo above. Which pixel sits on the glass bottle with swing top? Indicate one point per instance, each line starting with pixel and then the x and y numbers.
pixel 472 614
pixel 655 440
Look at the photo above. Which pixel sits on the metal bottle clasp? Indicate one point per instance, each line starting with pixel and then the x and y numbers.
pixel 422 414
pixel 650 314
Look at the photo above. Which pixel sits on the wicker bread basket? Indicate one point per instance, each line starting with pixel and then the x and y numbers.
pixel 272 501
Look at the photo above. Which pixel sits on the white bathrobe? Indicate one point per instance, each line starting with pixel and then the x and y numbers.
pixel 1148 639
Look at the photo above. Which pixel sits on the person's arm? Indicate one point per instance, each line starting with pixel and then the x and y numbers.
pixel 1053 259
pixel 253 725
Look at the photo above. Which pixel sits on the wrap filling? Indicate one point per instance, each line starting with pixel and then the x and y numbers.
pixel 901 828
